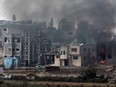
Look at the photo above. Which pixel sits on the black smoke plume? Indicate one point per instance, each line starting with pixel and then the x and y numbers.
pixel 100 14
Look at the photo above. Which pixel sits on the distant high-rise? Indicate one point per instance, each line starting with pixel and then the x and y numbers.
pixel 51 22
pixel 14 18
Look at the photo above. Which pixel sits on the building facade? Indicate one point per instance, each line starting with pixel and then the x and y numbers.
pixel 1 66
pixel 76 55
pixel 70 56
pixel 88 54
pixel 106 52
pixel 22 40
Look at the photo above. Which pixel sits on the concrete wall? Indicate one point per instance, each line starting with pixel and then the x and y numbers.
pixel 64 52
pixel 70 52
pixel 76 55
pixel 76 62
pixel 12 30
pixel 57 61
pixel 1 70
pixel 113 54
pixel 74 50
pixel 88 54
pixel 7 44
pixel 1 61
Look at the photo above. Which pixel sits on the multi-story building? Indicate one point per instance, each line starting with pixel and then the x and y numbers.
pixel 64 55
pixel 106 52
pixel 51 59
pixel 76 55
pixel 22 40
pixel 88 54
pixel 70 55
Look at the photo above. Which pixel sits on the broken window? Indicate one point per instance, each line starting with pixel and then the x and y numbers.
pixel 5 39
pixel 9 40
pixel 57 56
pixel 26 52
pixel 61 52
pixel 74 49
pixel 9 49
pixel 5 29
pixel 13 50
pixel 75 57
pixel 17 49
pixel 16 39
pixel 64 53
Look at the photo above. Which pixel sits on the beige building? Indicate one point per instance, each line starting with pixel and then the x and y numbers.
pixel 76 55
pixel 70 55
pixel 64 55
pixel 56 60
pixel 51 59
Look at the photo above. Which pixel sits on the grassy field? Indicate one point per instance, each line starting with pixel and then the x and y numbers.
pixel 9 83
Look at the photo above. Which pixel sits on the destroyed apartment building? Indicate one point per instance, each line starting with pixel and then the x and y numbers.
pixel 75 55
pixel 22 39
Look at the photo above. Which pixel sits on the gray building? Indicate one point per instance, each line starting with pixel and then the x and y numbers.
pixel 88 54
pixel 22 40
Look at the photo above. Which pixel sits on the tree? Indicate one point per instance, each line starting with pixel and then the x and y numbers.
pixel 89 73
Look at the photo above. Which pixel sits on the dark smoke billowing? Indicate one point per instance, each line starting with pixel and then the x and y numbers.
pixel 99 13
pixel 37 10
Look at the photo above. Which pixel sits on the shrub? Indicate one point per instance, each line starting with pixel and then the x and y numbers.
pixel 89 73
pixel 1 82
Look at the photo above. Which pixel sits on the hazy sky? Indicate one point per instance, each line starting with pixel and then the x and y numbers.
pixel 33 9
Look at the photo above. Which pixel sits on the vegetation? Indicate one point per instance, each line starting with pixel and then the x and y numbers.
pixel 29 84
pixel 89 75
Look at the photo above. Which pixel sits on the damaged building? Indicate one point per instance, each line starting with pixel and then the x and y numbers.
pixel 106 52
pixel 78 55
pixel 22 39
